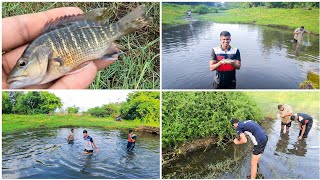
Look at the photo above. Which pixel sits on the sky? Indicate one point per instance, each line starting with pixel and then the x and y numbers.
pixel 86 99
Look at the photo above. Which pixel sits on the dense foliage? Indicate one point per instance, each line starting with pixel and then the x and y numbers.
pixel 106 110
pixel 190 115
pixel 73 110
pixel 144 106
pixel 32 102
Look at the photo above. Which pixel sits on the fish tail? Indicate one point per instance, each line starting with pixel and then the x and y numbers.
pixel 133 21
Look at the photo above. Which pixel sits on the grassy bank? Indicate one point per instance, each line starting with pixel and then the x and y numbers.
pixel 14 123
pixel 268 102
pixel 174 14
pixel 139 68
pixel 286 18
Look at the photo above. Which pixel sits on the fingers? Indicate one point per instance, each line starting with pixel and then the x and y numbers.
pixel 19 30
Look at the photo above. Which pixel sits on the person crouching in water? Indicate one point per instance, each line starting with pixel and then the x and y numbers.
pixel 71 136
pixel 305 122
pixel 89 144
pixel 257 135
pixel 131 140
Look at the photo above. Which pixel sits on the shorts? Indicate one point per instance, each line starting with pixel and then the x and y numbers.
pixel 88 151
pixel 294 40
pixel 286 124
pixel 232 85
pixel 259 149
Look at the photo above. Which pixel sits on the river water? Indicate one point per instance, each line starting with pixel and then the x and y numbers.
pixel 284 157
pixel 269 58
pixel 46 154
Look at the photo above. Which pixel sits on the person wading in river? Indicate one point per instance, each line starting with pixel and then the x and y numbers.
pixel 225 60
pixel 305 122
pixel 131 141
pixel 71 136
pixel 258 137
pixel 298 34
pixel 285 112
pixel 89 144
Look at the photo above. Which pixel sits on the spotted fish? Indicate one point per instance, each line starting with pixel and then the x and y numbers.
pixel 69 43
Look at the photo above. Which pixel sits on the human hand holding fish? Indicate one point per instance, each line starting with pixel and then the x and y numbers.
pixel 18 31
pixel 63 42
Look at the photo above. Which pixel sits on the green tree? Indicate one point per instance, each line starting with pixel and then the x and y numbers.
pixel 73 110
pixel 143 106
pixel 6 103
pixel 49 102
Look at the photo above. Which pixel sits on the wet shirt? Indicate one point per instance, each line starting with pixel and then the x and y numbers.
pixel 225 74
pixel 88 143
pixel 253 130
pixel 130 138
pixel 304 119
pixel 286 113
pixel 298 30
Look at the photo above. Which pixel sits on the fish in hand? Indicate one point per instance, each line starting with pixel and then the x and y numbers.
pixel 69 43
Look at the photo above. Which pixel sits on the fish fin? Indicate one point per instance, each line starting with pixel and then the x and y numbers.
pixel 59 60
pixel 61 22
pixel 100 15
pixel 79 68
pixel 109 57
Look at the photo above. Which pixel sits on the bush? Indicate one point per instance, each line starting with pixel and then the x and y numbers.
pixel 202 9
pixel 191 115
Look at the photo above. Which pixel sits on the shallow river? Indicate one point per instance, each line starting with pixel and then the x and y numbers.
pixel 269 58
pixel 284 157
pixel 46 154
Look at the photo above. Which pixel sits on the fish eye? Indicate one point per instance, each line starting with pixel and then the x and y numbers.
pixel 22 63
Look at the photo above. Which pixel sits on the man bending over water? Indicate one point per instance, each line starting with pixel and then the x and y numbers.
pixel 225 59
pixel 305 122
pixel 258 137
pixel 89 144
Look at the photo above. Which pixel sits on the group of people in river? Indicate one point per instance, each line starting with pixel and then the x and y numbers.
pixel 225 59
pixel 259 137
pixel 90 144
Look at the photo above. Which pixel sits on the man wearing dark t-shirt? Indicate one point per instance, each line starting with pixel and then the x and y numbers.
pixel 225 60
pixel 305 121
pixel 258 137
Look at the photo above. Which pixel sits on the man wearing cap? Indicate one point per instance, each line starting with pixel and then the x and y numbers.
pixel 285 112
pixel 89 144
pixel 305 122
pixel 298 34
pixel 258 137
pixel 225 60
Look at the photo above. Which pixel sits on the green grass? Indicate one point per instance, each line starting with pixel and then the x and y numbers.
pixel 174 14
pixel 279 17
pixel 307 102
pixel 139 68
pixel 15 123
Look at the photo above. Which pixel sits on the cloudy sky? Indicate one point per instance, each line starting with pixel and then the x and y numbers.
pixel 86 99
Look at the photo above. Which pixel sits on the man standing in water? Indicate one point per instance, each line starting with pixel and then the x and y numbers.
pixel 131 140
pixel 225 59
pixel 298 34
pixel 71 136
pixel 89 144
pixel 285 112
pixel 305 121
pixel 258 137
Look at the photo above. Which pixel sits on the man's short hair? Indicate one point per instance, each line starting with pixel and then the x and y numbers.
pixel 293 117
pixel 302 27
pixel 72 129
pixel 234 120
pixel 130 130
pixel 85 131
pixel 225 33
pixel 280 106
